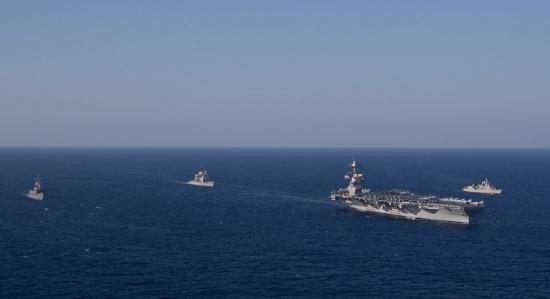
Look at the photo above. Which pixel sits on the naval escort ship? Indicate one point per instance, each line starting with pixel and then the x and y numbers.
pixel 36 193
pixel 201 179
pixel 403 204
pixel 484 188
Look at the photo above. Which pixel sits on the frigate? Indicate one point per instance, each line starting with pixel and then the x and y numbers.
pixel 484 188
pixel 36 193
pixel 403 204
pixel 201 179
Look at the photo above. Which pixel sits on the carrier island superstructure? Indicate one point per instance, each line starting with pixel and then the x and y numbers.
pixel 403 204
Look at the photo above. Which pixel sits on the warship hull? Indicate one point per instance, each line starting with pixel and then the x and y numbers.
pixel 456 215
pixel 35 196
pixel 201 184
pixel 410 206
pixel 488 192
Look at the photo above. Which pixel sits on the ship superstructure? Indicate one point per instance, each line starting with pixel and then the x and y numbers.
pixel 201 179
pixel 403 204
pixel 484 188
pixel 36 193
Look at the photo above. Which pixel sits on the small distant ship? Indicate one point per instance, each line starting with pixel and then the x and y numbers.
pixel 36 193
pixel 201 179
pixel 403 204
pixel 484 188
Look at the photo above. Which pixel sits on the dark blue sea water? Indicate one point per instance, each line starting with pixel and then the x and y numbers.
pixel 120 223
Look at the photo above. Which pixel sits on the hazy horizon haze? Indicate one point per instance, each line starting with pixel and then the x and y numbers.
pixel 415 74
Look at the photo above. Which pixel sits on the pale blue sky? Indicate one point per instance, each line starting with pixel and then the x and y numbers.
pixel 275 73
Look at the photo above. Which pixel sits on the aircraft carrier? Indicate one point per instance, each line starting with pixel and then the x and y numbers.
pixel 403 204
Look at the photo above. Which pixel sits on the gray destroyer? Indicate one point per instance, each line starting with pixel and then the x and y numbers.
pixel 36 193
pixel 201 179
pixel 403 204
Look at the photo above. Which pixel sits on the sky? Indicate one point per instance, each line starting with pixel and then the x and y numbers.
pixel 275 73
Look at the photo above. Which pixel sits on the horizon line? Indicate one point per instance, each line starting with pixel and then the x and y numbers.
pixel 270 147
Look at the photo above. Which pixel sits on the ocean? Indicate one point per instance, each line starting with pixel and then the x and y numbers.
pixel 121 223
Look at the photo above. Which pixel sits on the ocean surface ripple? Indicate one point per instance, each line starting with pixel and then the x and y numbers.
pixel 121 223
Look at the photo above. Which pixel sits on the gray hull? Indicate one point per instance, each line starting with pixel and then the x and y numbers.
pixel 413 212
pixel 201 184
pixel 34 195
